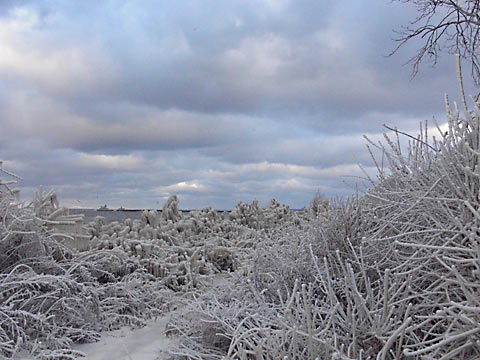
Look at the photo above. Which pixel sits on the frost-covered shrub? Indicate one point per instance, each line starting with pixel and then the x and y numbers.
pixel 276 213
pixel 391 274
pixel 247 214
pixel 170 210
pixel 426 247
pixel 51 296
pixel 184 252
pixel 255 217
pixel 318 204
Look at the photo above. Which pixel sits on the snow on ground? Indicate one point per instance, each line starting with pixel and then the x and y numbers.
pixel 130 344
pixel 147 343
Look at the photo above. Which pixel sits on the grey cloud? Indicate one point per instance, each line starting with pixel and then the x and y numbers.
pixel 7 5
pixel 316 144
pixel 199 78
pixel 134 128
pixel 125 101
pixel 80 183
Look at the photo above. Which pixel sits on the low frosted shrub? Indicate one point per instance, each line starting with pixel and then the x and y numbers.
pixel 51 296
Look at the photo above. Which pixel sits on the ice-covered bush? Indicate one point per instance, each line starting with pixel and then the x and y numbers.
pixel 426 243
pixel 391 274
pixel 247 214
pixel 51 296
pixel 170 210
pixel 183 251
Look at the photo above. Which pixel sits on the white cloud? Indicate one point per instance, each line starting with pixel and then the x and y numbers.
pixel 180 187
pixel 258 57
pixel 277 5
pixel 289 171
pixel 110 162
pixel 330 38
pixel 238 22
pixel 294 185
pixel 13 165
pixel 30 53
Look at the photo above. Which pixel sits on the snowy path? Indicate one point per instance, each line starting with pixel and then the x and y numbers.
pixel 147 343
pixel 126 344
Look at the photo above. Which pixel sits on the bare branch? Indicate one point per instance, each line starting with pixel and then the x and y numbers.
pixel 410 136
pixel 452 25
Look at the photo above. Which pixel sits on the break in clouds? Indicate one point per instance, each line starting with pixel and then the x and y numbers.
pixel 128 102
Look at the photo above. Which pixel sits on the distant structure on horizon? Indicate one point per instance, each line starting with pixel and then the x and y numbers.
pixel 104 208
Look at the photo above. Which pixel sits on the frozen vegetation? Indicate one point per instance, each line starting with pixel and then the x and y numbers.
pixel 391 274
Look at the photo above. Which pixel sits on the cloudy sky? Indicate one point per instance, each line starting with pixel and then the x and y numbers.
pixel 126 102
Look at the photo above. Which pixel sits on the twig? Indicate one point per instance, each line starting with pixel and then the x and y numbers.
pixel 410 136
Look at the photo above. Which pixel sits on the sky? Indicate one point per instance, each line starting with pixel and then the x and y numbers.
pixel 124 102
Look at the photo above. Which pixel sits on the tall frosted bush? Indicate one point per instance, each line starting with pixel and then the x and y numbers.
pixel 391 274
